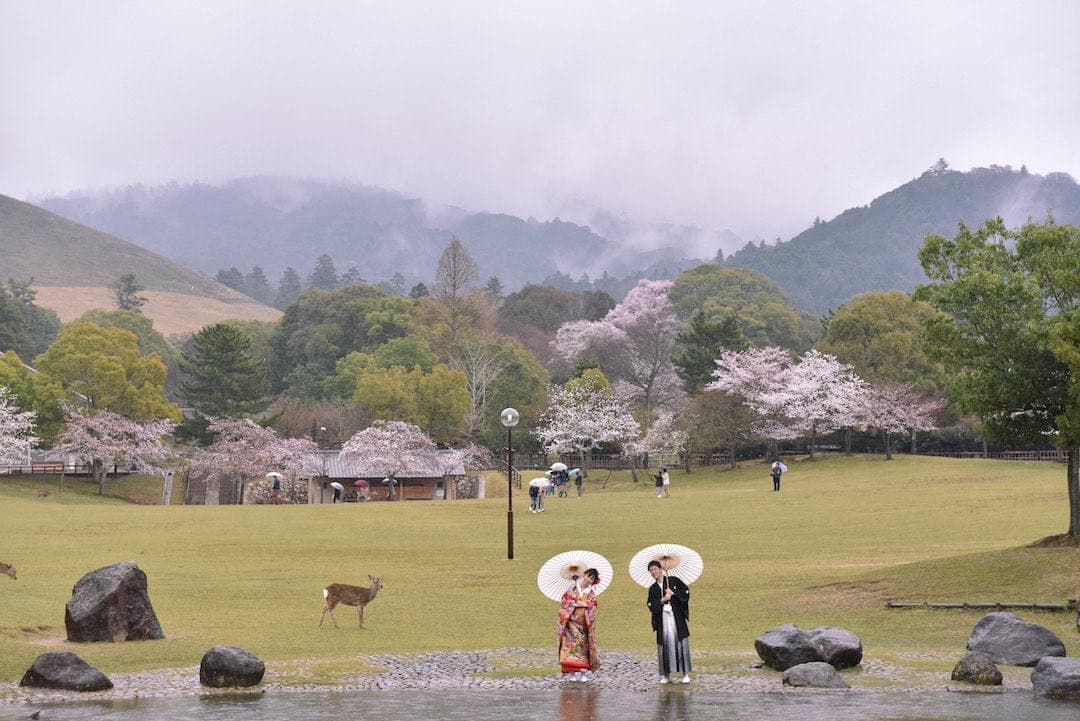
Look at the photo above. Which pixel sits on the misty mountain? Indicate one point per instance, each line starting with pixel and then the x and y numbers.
pixel 279 222
pixel 874 247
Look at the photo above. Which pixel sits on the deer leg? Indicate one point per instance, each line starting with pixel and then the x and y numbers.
pixel 360 612
pixel 327 608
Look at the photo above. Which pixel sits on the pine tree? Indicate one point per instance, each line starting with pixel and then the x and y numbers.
pixel 324 276
pixel 289 289
pixel 223 378
pixel 700 343
pixel 257 287
pixel 127 293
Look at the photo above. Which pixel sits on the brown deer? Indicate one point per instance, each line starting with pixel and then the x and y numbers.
pixel 357 596
pixel 8 570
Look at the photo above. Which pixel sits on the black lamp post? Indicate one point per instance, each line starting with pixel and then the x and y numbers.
pixel 509 418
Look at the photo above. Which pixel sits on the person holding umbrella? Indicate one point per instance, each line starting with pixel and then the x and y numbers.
pixel 669 603
pixel 338 488
pixel 575 579
pixel 778 470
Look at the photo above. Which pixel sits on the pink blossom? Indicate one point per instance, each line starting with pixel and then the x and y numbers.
pixel 16 430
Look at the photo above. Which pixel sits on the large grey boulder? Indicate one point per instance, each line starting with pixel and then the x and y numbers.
pixel 816 674
pixel 1006 638
pixel 977 668
pixel 111 604
pixel 1057 677
pixel 64 670
pixel 229 666
pixel 788 645
pixel 837 646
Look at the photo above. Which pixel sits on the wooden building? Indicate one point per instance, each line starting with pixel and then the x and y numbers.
pixel 430 483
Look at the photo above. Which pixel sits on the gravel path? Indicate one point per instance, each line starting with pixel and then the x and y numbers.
pixel 510 668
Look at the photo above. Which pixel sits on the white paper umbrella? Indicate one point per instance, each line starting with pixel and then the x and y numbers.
pixel 540 482
pixel 338 486
pixel 559 572
pixel 677 560
pixel 274 474
pixel 783 468
pixel 558 466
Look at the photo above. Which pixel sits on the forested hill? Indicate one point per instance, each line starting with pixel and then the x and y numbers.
pixel 276 223
pixel 875 247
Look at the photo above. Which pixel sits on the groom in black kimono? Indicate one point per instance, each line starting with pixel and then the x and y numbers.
pixel 669 602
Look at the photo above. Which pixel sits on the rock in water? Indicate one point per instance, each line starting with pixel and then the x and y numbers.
pixel 228 666
pixel 64 670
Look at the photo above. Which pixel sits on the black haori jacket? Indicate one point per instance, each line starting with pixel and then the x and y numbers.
pixel 680 606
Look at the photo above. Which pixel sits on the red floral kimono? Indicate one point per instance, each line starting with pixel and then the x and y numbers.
pixel 577 641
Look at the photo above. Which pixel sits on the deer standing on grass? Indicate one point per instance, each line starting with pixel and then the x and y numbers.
pixel 357 596
pixel 8 570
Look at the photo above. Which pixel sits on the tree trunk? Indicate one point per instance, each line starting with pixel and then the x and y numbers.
pixel 847 441
pixel 97 470
pixel 914 447
pixel 731 458
pixel 813 437
pixel 888 446
pixel 1074 490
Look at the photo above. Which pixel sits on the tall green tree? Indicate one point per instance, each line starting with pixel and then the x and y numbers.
pixel 878 334
pixel 765 314
pixel 325 326
pixel 127 289
pixel 455 276
pixel 1011 338
pixel 150 340
pixel 324 276
pixel 700 343
pixel 102 368
pixel 25 328
pixel 224 380
pixel 289 289
pixel 257 287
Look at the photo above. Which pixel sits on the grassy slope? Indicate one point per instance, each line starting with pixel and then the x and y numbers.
pixel 171 312
pixel 844 535
pixel 74 267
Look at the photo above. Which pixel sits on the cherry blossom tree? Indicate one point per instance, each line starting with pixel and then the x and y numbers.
pixel 633 343
pixel 584 413
pixel 245 452
pixel 106 439
pixel 820 394
pixel 792 399
pixel 759 377
pixel 666 436
pixel 16 430
pixel 896 408
pixel 396 448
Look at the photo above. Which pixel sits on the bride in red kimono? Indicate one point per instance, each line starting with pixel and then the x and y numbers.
pixel 577 617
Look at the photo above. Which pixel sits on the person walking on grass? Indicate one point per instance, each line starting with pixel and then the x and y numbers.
pixel 665 480
pixel 778 469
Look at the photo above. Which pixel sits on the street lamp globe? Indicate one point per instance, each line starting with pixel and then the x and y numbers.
pixel 510 417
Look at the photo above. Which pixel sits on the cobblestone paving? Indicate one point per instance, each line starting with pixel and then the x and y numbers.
pixel 509 668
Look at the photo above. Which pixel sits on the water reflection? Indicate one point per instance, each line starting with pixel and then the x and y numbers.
pixel 569 703
pixel 671 704
pixel 577 704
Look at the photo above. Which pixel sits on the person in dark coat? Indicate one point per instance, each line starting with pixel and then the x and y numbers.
pixel 669 603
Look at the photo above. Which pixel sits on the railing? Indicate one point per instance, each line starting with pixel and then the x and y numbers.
pixel 48 468
pixel 1056 456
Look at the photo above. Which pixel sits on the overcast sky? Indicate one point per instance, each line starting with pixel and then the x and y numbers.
pixel 753 116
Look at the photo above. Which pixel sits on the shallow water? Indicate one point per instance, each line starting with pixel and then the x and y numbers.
pixel 568 704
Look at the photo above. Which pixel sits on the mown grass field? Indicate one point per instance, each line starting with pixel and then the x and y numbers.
pixel 844 535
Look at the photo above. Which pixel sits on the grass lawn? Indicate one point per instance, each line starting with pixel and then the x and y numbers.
pixel 844 535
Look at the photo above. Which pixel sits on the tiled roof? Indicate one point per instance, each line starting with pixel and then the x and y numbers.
pixel 333 466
